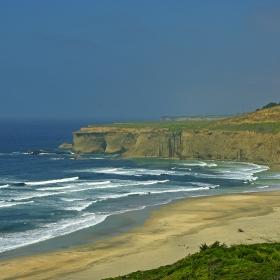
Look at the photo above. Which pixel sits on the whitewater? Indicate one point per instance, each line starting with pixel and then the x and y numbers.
pixel 47 196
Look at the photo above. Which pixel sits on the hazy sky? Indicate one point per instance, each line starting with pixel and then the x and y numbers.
pixel 127 60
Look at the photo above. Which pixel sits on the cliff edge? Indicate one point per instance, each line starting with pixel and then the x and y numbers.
pixel 253 137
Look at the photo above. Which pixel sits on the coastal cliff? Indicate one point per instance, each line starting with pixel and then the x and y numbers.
pixel 205 144
pixel 252 137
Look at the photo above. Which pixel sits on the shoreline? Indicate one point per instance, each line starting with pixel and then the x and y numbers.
pixel 172 232
pixel 113 225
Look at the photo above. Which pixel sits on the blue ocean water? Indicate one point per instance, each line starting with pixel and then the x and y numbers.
pixel 49 195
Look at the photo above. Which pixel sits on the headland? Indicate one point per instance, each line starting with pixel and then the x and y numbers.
pixel 252 137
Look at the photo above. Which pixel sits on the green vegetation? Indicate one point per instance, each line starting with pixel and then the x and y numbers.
pixel 172 126
pixel 217 261
pixel 264 127
pixel 269 105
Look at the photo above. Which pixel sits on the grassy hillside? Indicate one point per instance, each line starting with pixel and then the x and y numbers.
pixel 264 115
pixel 173 126
pixel 258 261
pixel 262 121
pixel 262 127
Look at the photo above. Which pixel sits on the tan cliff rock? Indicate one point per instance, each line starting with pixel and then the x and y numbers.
pixel 65 146
pixel 203 144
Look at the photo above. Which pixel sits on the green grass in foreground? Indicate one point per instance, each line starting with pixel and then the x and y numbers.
pixel 257 261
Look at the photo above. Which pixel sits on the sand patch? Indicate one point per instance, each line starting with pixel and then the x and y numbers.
pixel 238 197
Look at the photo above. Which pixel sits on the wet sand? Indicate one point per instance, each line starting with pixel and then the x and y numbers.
pixel 169 234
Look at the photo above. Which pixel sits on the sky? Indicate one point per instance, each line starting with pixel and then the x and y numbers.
pixel 137 60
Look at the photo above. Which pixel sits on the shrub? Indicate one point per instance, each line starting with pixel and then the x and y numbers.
pixel 270 105
pixel 216 244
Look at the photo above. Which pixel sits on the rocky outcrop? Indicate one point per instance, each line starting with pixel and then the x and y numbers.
pixel 234 146
pixel 65 146
pixel 42 152
pixel 201 144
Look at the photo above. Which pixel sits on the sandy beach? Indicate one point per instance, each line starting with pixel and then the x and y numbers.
pixel 169 234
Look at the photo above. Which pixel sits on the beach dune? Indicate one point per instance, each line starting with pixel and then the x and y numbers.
pixel 169 234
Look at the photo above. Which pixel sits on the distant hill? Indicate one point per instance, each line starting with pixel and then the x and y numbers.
pixel 265 115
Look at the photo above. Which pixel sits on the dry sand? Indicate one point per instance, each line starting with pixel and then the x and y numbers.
pixel 171 233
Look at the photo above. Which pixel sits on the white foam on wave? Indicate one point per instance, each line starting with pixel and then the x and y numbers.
pixel 4 204
pixel 114 196
pixel 129 171
pixel 88 185
pixel 52 181
pixel 53 188
pixel 236 171
pixel 214 186
pixel 210 186
pixel 200 184
pixel 71 199
pixel 128 210
pixel 211 165
pixel 234 175
pixel 80 206
pixel 182 168
pixel 133 183
pixel 153 182
pixel 161 191
pixel 78 190
pixel 11 241
pixel 199 163
pixel 110 184
pixel 94 183
pixel 4 186
pixel 255 166
pixel 35 195
pixel 262 187
pixel 180 190
pixel 57 158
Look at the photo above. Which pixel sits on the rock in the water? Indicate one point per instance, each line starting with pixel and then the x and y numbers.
pixel 65 146
pixel 39 152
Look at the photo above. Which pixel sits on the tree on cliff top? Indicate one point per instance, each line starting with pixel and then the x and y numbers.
pixel 269 105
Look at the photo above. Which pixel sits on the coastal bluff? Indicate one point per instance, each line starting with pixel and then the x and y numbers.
pixel 248 138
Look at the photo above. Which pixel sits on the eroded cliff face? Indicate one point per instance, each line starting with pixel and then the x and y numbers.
pixel 204 144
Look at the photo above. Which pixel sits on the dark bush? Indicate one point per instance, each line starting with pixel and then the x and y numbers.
pixel 270 105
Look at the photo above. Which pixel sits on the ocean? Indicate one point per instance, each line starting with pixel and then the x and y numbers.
pixel 51 200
